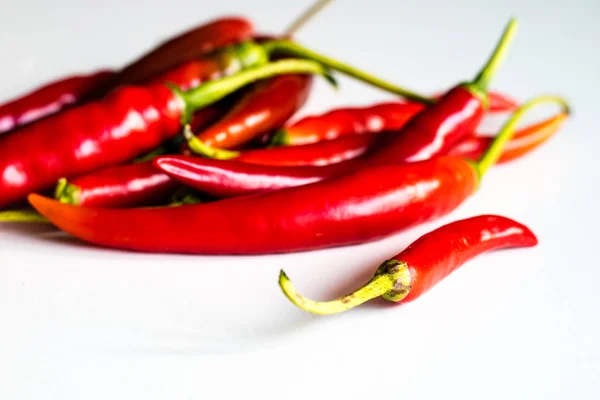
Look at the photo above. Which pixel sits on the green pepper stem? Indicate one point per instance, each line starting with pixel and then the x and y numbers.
pixel 197 146
pixel 213 91
pixel 392 281
pixel 306 16
pixel 376 287
pixel 482 80
pixel 67 193
pixel 289 48
pixel 496 148
pixel 22 216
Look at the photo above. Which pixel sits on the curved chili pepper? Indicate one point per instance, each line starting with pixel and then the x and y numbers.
pixel 346 121
pixel 48 99
pixel 122 186
pixel 127 123
pixel 223 179
pixel 366 205
pixel 266 107
pixel 56 96
pixel 524 141
pixel 426 262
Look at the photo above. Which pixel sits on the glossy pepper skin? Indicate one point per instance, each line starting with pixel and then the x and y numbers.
pixel 266 107
pixel 426 262
pixel 56 96
pixel 377 118
pixel 346 121
pixel 125 124
pixel 123 186
pixel 364 206
pixel 434 131
pixel 322 153
pixel 223 178
pixel 48 99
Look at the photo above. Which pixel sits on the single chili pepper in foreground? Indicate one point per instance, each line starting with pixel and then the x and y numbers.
pixel 122 186
pixel 48 99
pixel 230 178
pixel 266 107
pixel 125 124
pixel 367 205
pixel 56 96
pixel 523 142
pixel 426 262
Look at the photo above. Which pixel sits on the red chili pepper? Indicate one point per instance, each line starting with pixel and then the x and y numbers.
pixel 221 179
pixel 322 153
pixel 346 121
pixel 359 120
pixel 425 263
pixel 367 205
pixel 228 178
pixel 268 106
pixel 48 100
pixel 119 187
pixel 524 141
pixel 190 45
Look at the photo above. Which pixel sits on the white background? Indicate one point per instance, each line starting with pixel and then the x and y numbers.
pixel 78 322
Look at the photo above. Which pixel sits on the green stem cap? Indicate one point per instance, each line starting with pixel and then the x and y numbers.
pixel 289 48
pixel 67 193
pixel 496 148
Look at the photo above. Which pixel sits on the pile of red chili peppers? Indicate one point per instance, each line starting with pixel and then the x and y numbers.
pixel 190 149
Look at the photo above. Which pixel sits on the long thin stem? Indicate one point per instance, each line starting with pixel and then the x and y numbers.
pixel 482 80
pixel 289 48
pixel 377 286
pixel 306 16
pixel 210 92
pixel 22 216
pixel 496 148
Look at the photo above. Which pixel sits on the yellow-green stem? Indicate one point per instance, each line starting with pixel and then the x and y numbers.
pixel 482 80
pixel 392 281
pixel 496 148
pixel 306 16
pixel 67 193
pixel 22 216
pixel 289 48
pixel 197 146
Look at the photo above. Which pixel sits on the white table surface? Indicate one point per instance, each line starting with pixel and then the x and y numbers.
pixel 79 322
